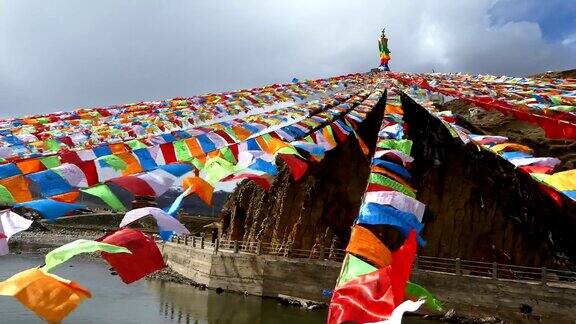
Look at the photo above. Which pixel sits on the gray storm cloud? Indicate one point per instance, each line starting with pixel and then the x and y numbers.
pixel 59 55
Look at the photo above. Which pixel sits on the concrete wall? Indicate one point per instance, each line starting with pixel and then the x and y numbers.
pixel 471 296
pixel 273 276
pixel 263 275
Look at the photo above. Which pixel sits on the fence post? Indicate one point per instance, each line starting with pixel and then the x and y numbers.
pixel 458 267
pixel 194 241
pixel 236 247
pixel 415 262
pixel 544 273
pixel 494 270
pixel 186 240
pixel 216 245
pixel 259 248
pixel 322 253
pixel 202 242
pixel 178 239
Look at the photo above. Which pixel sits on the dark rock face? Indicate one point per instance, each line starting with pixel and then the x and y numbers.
pixel 317 210
pixel 478 207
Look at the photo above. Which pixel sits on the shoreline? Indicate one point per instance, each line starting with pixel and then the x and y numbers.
pixel 42 241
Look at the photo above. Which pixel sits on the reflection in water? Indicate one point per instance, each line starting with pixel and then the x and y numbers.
pixel 183 304
pixel 150 301
pixel 147 301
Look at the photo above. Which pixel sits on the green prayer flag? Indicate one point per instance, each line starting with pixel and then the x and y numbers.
pixel 564 108
pixel 556 100
pixel 103 192
pixel 450 128
pixel 197 164
pixel 114 162
pixel 216 169
pixel 228 155
pixel 52 144
pixel 43 120
pixel 64 253
pixel 6 197
pixel 50 161
pixel 182 151
pixel 136 144
pixel 542 177
pixel 309 123
pixel 231 132
pixel 330 133
pixel 419 292
pixel 288 150
pixel 385 181
pixel 403 145
pixel 354 267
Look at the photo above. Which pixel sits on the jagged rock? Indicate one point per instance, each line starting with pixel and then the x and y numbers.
pixel 317 211
pixel 478 206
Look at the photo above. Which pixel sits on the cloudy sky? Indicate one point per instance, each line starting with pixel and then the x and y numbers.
pixel 62 54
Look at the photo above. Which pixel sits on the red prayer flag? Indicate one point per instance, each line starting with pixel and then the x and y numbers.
pixel 402 261
pixel 69 157
pixel 145 258
pixel 297 166
pixel 89 170
pixel 372 297
pixel 168 153
pixel 377 187
pixel 135 185
pixel 536 168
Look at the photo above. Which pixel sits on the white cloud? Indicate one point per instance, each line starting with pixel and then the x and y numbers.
pixel 64 54
pixel 570 40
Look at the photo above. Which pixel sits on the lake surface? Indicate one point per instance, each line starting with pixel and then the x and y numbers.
pixel 150 301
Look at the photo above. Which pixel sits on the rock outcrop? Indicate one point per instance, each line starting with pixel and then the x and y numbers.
pixel 479 207
pixel 317 210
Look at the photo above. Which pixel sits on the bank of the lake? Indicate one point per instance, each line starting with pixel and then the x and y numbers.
pixel 148 301
pixel 164 297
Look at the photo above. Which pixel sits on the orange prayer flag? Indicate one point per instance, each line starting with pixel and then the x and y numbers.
pixel 274 145
pixel 329 136
pixel 262 143
pixel 511 147
pixel 68 197
pixel 394 109
pixel 18 187
pixel 133 165
pixel 30 166
pixel 199 186
pixel 202 159
pixel 242 133
pixel 391 175
pixel 118 148
pixel 365 244
pixel 52 298
pixel 194 147
pixel 213 154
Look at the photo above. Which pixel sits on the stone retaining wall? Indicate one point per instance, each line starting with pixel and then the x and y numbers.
pixel 273 276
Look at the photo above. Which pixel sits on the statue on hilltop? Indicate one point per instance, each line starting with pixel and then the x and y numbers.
pixel 384 51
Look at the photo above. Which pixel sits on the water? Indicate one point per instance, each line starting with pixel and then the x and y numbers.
pixel 150 301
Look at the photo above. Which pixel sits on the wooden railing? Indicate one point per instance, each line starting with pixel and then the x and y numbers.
pixel 456 266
